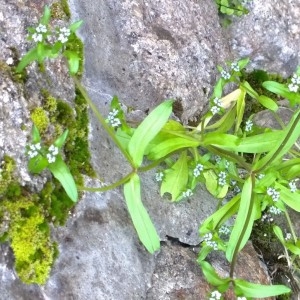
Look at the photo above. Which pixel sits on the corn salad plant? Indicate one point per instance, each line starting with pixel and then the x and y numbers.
pixel 251 170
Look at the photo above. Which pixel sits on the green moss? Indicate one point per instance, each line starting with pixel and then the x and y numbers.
pixel 6 175
pixel 40 119
pixel 60 10
pixel 75 44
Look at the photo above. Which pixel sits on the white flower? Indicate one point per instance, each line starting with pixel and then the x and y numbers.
pixel 225 75
pixel 37 37
pixel 295 79
pixel 217 101
pixel 187 193
pixel 10 61
pixel 224 230
pixel 212 244
pixel 261 176
pixel 50 158
pixel 273 193
pixel 293 186
pixel 293 87
pixel 274 210
pixel 53 150
pixel 114 122
pixel 235 67
pixel 159 176
pixel 41 28
pixel 215 295
pixel 63 35
pixel 222 178
pixel 198 169
pixel 218 159
pixel 288 236
pixel 38 146
pixel 207 237
pixel 248 126
pixel 32 154
pixel 215 109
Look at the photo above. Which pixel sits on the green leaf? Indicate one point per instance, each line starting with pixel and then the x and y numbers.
pixel 282 90
pixel 73 61
pixel 46 16
pixel 61 139
pixel 220 216
pixel 171 145
pixel 62 173
pixel 293 248
pixel 242 63
pixel 244 221
pixel 221 140
pixel 250 91
pixel 37 164
pixel 267 102
pixel 211 183
pixel 278 232
pixel 211 275
pixel 140 218
pixel 75 26
pixel 289 136
pixel 254 290
pixel 240 108
pixel 36 138
pixel 147 130
pixel 28 58
pixel 176 178
pixel 290 199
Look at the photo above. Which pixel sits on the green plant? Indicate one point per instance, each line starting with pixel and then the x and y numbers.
pixel 227 153
pixel 50 44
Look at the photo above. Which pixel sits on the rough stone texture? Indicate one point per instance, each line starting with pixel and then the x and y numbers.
pixel 147 51
pixel 269 35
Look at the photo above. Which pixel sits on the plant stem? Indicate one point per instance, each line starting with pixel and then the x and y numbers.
pixel 100 118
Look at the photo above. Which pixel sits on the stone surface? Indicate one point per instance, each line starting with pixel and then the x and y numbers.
pixel 147 51
pixel 269 35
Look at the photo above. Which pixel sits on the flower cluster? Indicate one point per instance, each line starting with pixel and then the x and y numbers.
pixel 217 105
pixel 293 186
pixel 225 75
pixel 288 236
pixel 295 82
pixel 114 122
pixel 235 67
pixel 187 193
pixel 208 240
pixel 249 125
pixel 34 148
pixel 198 169
pixel 215 295
pixel 159 176
pixel 274 210
pixel 63 35
pixel 39 31
pixel 275 195
pixel 222 178
pixel 51 155
pixel 224 230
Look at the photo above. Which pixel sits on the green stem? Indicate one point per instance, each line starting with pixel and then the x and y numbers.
pixel 100 118
pixel 108 187
pixel 291 226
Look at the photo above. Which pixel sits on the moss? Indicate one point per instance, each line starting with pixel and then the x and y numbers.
pixel 76 45
pixel 6 175
pixel 40 119
pixel 60 10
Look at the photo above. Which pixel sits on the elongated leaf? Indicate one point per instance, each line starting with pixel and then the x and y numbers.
pixel 290 199
pixel 37 164
pixel 254 290
pixel 75 26
pixel 176 178
pixel 211 183
pixel 225 123
pixel 62 173
pixel 220 216
pixel 268 102
pixel 244 221
pixel 240 108
pixel 289 137
pixel 36 138
pixel 250 91
pixel 46 16
pixel 28 58
pixel 282 90
pixel 278 232
pixel 211 275
pixel 139 215
pixel 73 61
pixel 61 139
pixel 221 140
pixel 259 143
pixel 147 130
pixel 171 145
pixel 293 248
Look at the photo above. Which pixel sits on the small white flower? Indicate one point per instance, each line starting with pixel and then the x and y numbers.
pixel 53 149
pixel 37 37
pixel 235 67
pixel 115 122
pixel 212 244
pixel 227 164
pixel 63 35
pixel 288 236
pixel 225 75
pixel 215 295
pixel 38 146
pixel 159 176
pixel 261 176
pixel 293 87
pixel 295 79
pixel 41 28
pixel 248 126
pixel 217 101
pixel 224 230
pixel 187 193
pixel 237 189
pixel 273 193
pixel 293 186
pixel 10 61
pixel 218 159
pixel 207 237
pixel 222 178
pixel 215 109
pixel 274 210
pixel 198 169
pixel 32 154
pixel 50 158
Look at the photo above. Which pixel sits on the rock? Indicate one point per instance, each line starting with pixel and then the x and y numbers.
pixel 269 35
pixel 147 51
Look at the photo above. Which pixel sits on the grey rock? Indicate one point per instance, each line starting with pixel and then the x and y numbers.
pixel 269 35
pixel 147 51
